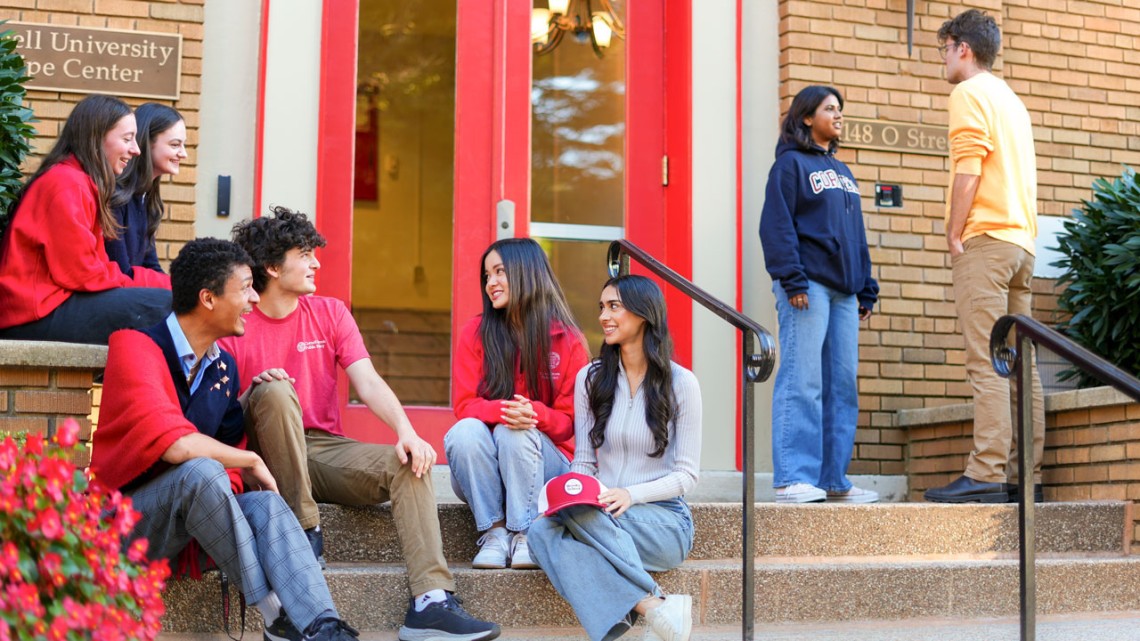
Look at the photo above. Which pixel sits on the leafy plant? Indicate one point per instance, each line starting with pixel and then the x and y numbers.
pixel 15 119
pixel 1101 245
pixel 63 572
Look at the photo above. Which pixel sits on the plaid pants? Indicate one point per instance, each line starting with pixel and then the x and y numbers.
pixel 253 537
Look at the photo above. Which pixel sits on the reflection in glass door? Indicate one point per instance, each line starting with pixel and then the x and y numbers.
pixel 578 157
pixel 403 187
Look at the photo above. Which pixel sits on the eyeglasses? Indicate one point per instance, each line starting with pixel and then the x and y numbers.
pixel 945 48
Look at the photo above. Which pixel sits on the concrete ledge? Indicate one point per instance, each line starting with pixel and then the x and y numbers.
pixel 1086 399
pixel 49 354
pixel 1056 402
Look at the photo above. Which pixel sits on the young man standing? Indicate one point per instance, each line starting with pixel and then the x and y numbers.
pixel 296 337
pixel 991 224
pixel 171 437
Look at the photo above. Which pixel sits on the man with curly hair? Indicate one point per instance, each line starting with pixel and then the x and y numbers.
pixel 298 340
pixel 991 224
pixel 171 437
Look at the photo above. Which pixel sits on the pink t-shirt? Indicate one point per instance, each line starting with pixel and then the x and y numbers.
pixel 308 344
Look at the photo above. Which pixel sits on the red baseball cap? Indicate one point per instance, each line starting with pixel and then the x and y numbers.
pixel 569 489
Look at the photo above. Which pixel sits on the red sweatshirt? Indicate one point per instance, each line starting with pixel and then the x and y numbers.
pixel 567 356
pixel 54 247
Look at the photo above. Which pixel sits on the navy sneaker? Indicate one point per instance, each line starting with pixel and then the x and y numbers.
pixel 330 630
pixel 317 541
pixel 446 621
pixel 282 629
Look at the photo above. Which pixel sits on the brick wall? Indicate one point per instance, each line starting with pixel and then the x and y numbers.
pixel 1072 61
pixel 164 16
pixel 1092 445
pixel 38 399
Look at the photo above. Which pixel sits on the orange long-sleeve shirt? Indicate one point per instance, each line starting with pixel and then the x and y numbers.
pixel 991 136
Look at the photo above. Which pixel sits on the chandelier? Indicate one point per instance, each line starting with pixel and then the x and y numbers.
pixel 593 19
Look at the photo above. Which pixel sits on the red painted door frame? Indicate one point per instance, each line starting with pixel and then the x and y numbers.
pixel 492 155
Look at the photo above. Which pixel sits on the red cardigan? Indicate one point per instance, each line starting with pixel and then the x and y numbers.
pixel 139 416
pixel 567 356
pixel 54 246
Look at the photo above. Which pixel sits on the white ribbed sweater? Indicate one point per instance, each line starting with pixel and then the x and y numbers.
pixel 623 460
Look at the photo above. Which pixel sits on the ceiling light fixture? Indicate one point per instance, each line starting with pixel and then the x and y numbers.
pixel 593 19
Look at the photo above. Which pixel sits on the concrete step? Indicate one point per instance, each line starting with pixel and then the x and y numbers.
pixel 367 534
pixel 374 597
pixel 1102 626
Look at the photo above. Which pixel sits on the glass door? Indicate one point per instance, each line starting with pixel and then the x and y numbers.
pixel 578 142
pixel 403 188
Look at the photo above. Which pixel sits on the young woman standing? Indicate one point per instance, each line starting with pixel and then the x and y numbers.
pixel 513 392
pixel 56 281
pixel 816 251
pixel 637 421
pixel 137 202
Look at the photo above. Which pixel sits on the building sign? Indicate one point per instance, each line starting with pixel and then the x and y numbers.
pixel 89 60
pixel 895 136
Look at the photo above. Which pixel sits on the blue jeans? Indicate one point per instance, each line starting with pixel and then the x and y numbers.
pixel 91 317
pixel 499 472
pixel 601 565
pixel 815 404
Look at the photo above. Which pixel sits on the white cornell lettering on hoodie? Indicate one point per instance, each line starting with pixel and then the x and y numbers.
pixel 829 179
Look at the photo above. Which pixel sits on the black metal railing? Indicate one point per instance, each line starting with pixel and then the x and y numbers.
pixel 1007 363
pixel 756 367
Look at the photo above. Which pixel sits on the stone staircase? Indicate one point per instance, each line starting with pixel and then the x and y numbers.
pixel 814 563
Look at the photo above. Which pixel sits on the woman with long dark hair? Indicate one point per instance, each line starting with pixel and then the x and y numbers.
pixel 637 421
pixel 513 392
pixel 56 281
pixel 137 202
pixel 815 248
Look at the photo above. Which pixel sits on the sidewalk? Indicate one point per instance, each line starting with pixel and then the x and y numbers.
pixel 1101 626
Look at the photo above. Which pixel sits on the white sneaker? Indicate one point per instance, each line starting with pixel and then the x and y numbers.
pixel 800 493
pixel 670 621
pixel 853 495
pixel 493 547
pixel 520 553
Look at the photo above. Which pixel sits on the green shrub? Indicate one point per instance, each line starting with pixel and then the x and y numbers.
pixel 15 119
pixel 1101 245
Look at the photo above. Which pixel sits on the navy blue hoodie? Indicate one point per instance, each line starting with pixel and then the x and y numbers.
pixel 812 225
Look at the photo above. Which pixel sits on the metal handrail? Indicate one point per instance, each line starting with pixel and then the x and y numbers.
pixel 1007 362
pixel 756 367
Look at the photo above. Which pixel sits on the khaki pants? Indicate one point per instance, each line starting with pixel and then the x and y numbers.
pixel 991 279
pixel 313 466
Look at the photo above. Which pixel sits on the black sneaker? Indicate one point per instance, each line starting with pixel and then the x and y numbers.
pixel 317 542
pixel 445 621
pixel 330 630
pixel 282 629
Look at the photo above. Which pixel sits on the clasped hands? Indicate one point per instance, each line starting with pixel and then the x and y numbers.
pixel 518 413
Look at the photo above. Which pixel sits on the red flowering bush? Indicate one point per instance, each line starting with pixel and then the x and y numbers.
pixel 63 572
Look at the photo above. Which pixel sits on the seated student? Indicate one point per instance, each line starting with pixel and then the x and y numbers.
pixel 513 391
pixel 56 281
pixel 637 423
pixel 304 445
pixel 137 202
pixel 171 437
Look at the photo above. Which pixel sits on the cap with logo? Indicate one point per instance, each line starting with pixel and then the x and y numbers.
pixel 569 489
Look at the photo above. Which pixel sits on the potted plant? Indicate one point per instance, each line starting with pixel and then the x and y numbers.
pixel 15 119
pixel 1101 249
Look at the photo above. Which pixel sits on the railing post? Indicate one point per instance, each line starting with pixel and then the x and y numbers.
pixel 748 464
pixel 1026 464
